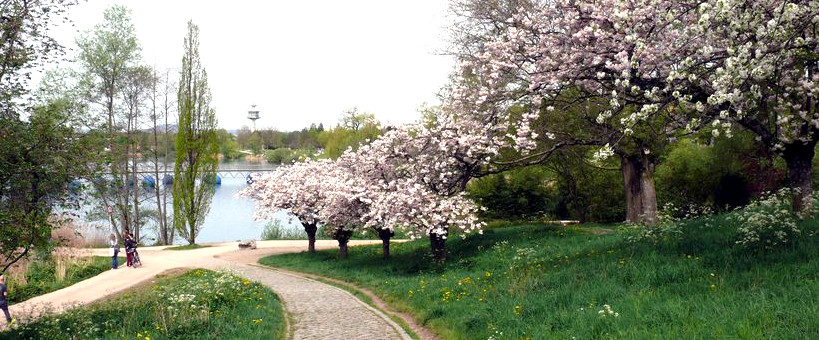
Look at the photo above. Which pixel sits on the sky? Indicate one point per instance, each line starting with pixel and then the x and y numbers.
pixel 300 62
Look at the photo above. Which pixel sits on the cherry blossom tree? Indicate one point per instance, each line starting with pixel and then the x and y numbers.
pixel 412 177
pixel 646 69
pixel 416 175
pixel 345 200
pixel 317 192
pixel 757 66
pixel 369 173
pixel 292 188
pixel 552 56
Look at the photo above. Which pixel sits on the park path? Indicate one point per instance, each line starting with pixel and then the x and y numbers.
pixel 318 310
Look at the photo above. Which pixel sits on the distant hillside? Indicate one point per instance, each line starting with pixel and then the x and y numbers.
pixel 161 127
pixel 172 128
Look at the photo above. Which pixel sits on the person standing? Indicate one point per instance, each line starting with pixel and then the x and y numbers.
pixel 114 251
pixel 130 245
pixel 4 304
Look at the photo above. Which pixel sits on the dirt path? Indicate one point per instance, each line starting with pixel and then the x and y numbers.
pixel 305 299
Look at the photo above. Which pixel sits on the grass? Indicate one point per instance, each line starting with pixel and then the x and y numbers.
pixel 188 247
pixel 549 282
pixel 41 276
pixel 275 230
pixel 199 304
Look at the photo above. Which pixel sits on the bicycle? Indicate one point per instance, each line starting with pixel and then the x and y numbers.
pixel 135 261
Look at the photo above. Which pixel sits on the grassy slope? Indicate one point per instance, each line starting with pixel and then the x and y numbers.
pixel 540 282
pixel 198 304
pixel 187 247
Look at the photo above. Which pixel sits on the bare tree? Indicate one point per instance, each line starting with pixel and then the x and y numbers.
pixel 161 106
pixel 136 87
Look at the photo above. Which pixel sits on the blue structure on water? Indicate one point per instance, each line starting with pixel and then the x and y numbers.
pixel 215 179
pixel 75 187
pixel 167 180
pixel 148 182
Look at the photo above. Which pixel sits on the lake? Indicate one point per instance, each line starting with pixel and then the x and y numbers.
pixel 230 217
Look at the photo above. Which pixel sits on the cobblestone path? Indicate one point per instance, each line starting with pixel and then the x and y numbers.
pixel 322 311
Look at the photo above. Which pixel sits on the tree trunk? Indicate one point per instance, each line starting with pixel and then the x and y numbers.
pixel 161 212
pixel 166 150
pixel 638 180
pixel 163 225
pixel 385 234
pixel 799 157
pixel 136 226
pixel 310 229
pixel 342 236
pixel 438 244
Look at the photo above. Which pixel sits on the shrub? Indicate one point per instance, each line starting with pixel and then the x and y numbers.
pixel 675 225
pixel 723 173
pixel 274 230
pixel 280 156
pixel 286 155
pixel 521 194
pixel 665 234
pixel 40 276
pixel 767 223
pixel 688 175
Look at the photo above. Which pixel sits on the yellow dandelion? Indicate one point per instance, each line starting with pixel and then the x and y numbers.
pixel 447 296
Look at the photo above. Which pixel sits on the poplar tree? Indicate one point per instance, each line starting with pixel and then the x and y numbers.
pixel 196 143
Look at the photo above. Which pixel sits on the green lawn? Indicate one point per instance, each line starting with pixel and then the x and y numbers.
pixel 199 304
pixel 187 247
pixel 546 282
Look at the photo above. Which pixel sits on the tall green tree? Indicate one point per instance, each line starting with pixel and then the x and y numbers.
pixel 197 145
pixel 107 53
pixel 354 129
pixel 38 159
pixel 39 154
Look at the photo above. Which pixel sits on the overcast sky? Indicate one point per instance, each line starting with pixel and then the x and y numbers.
pixel 301 62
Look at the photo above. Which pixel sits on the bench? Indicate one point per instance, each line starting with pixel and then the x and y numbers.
pixel 248 245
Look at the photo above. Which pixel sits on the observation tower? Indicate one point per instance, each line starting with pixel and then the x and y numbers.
pixel 253 114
